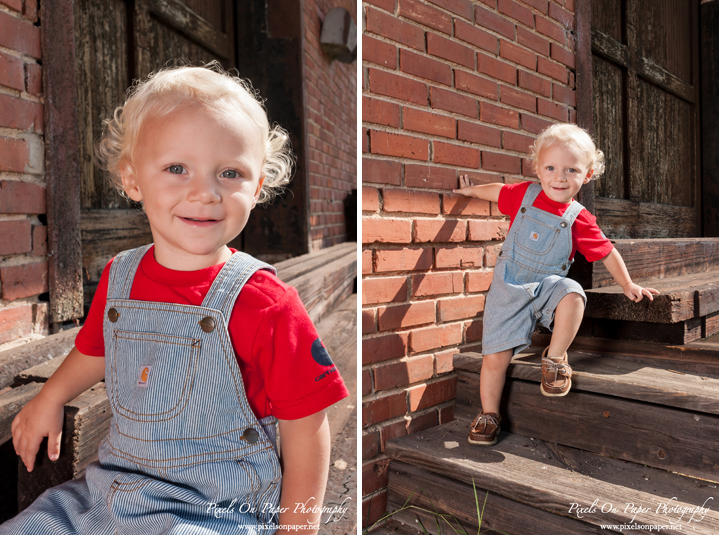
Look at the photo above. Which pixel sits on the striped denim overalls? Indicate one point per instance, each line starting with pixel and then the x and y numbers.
pixel 182 437
pixel 530 276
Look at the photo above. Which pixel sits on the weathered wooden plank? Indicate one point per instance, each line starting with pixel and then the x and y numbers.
pixel 630 219
pixel 682 332
pixel 395 528
pixel 11 403
pixel 40 373
pixel 710 325
pixel 600 373
pixel 553 477
pixel 15 360
pixel 456 499
pixel 290 269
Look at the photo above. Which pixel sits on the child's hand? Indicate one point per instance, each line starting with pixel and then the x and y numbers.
pixel 636 293
pixel 465 186
pixel 40 418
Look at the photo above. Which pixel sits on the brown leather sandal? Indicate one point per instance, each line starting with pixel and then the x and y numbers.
pixel 484 429
pixel 556 375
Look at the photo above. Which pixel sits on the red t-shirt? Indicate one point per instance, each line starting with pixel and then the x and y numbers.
pixel 269 329
pixel 587 238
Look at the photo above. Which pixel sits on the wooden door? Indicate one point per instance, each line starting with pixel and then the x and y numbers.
pixel 645 87
pixel 118 41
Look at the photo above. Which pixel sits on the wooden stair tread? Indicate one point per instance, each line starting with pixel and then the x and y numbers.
pixel 395 528
pixel 616 376
pixel 553 477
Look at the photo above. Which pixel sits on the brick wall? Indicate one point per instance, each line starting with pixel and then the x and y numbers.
pixel 449 87
pixel 331 89
pixel 23 231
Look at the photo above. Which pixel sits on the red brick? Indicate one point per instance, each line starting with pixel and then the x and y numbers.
pixel 387 5
pixel 493 21
pixel 379 52
pixel 365 140
pixel 532 40
pixel 370 199
pixel 420 422
pixel 366 390
pixel 403 373
pixel 478 133
pixel 479 281
pixel 550 29
pixel 456 155
pixel 386 230
pixel 374 476
pixel 24 280
pixel 390 346
pixel 431 284
pixel 33 79
pixel 463 8
pixel 569 5
pixel 528 168
pixel 572 80
pixel 398 145
pixel 380 112
pixel 458 308
pixel 391 431
pixel 516 11
pixel 397 86
pixel 474 36
pixel 20 35
pixel 21 198
pixel 13 4
pixel 370 442
pixel 403 260
pixel 488 230
pixel 367 261
pixel 444 361
pixel 572 116
pixel 434 337
pixel 534 124
pixel 368 320
pixel 565 95
pixel 404 200
pixel 427 15
pixel 462 257
pixel 14 155
pixel 490 3
pixel 426 176
pixel 439 230
pixel 518 99
pixel 550 68
pixel 562 16
pixel 451 101
pixel 423 396
pixel 384 408
pixel 424 67
pixel 11 72
pixel 475 84
pixel 428 123
pixel 517 54
pixel 403 316
pixel 384 290
pixel 490 255
pixel 535 83
pixel 562 55
pixel 444 48
pixel 472 331
pixel 518 142
pixel 456 204
pixel 19 113
pixel 30 10
pixel 502 163
pixel 374 507
pixel 392 28
pixel 489 113
pixel 539 5
pixel 15 322
pixel 550 109
pixel 496 69
pixel 39 240
pixel 381 171
pixel 15 237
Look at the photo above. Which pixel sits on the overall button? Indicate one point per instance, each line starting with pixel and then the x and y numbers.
pixel 564 267
pixel 523 209
pixel 500 253
pixel 563 224
pixel 112 315
pixel 251 435
pixel 207 324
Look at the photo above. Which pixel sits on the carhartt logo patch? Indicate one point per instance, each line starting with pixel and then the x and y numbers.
pixel 144 374
pixel 534 235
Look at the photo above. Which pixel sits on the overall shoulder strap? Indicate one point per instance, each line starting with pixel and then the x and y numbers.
pixel 122 272
pixel 230 281
pixel 531 194
pixel 571 213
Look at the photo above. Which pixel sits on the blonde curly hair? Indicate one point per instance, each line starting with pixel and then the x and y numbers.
pixel 209 85
pixel 573 136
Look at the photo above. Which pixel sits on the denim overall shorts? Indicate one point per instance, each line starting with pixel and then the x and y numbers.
pixel 182 436
pixel 530 276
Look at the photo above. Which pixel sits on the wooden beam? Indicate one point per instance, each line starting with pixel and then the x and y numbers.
pixel 631 219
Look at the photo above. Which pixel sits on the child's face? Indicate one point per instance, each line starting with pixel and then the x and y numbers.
pixel 563 171
pixel 198 178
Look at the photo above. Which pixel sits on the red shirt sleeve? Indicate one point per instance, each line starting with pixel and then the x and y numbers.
pixel 591 241
pixel 510 198
pixel 300 377
pixel 91 340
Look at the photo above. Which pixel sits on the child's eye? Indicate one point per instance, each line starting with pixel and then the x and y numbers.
pixel 572 170
pixel 230 173
pixel 550 168
pixel 176 169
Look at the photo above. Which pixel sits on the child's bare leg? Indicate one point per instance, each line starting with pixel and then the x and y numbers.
pixel 491 379
pixel 567 319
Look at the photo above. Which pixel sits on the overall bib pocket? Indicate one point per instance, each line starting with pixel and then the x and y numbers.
pixel 535 237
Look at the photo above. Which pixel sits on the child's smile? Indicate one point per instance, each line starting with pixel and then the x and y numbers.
pixel 198 178
pixel 562 172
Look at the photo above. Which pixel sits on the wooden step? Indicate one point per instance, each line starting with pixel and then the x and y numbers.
pixel 638 413
pixel 395 528
pixel 552 478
